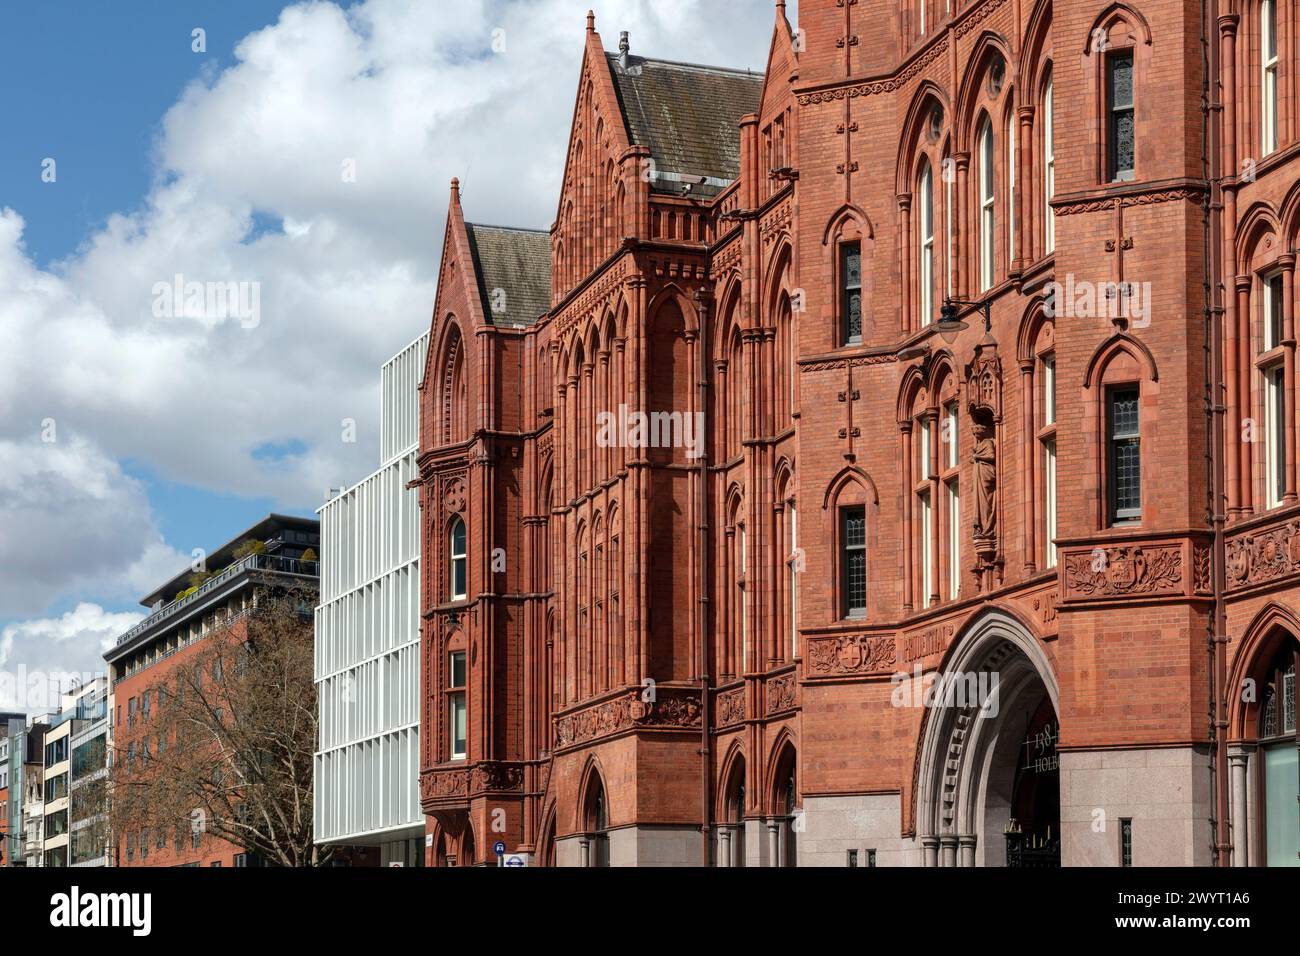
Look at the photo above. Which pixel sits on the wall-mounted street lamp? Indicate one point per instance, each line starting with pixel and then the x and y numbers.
pixel 949 324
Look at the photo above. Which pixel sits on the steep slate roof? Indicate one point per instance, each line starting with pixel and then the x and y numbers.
pixel 516 261
pixel 686 114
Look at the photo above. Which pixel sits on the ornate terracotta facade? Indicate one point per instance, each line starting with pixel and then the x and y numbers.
pixel 764 564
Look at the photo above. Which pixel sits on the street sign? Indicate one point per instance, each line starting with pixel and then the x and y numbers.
pixel 499 847
pixel 517 860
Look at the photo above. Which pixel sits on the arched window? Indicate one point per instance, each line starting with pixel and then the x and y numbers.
pixel 596 840
pixel 1047 437
pixel 785 851
pixel 987 195
pixel 1268 79
pixel 850 269
pixel 925 190
pixel 1011 187
pixel 793 565
pixel 1278 772
pixel 1049 168
pixel 1121 124
pixel 458 563
pixel 1271 363
pixel 731 835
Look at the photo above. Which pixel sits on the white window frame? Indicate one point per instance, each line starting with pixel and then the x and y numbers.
pixel 987 197
pixel 1268 78
pixel 927 547
pixel 457 706
pixel 1274 433
pixel 1049 168
pixel 458 559
pixel 1011 187
pixel 927 244
pixel 954 538
pixel 1049 506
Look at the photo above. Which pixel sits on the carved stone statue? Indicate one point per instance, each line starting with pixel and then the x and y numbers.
pixel 985 457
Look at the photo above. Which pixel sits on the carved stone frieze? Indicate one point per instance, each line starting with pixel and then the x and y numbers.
pixel 1123 571
pixel 670 709
pixel 850 654
pixel 1263 555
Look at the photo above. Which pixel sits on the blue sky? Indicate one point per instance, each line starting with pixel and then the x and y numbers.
pixel 99 121
pixel 130 436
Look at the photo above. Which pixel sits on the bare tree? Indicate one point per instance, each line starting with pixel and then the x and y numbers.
pixel 228 746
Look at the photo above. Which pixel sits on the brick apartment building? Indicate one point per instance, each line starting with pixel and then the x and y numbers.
pixel 266 557
pixel 715 645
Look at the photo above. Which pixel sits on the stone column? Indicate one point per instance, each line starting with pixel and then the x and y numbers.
pixel 584 851
pixel 948 847
pixel 724 846
pixel 967 845
pixel 1238 762
pixel 930 847
pixel 773 843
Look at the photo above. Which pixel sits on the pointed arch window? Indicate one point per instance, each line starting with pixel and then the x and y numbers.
pixel 851 292
pixel 1278 743
pixel 1011 187
pixel 458 560
pixel 853 560
pixel 1049 168
pixel 1121 122
pixel 926 270
pixel 987 197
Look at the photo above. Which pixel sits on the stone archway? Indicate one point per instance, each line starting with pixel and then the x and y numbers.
pixel 988 787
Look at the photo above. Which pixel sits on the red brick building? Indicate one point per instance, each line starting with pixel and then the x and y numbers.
pixel 869 587
pixel 276 554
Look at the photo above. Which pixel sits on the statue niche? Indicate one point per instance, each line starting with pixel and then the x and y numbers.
pixel 984 406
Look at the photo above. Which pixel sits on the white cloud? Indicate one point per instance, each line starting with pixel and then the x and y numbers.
pixel 412 95
pixel 74 524
pixel 40 658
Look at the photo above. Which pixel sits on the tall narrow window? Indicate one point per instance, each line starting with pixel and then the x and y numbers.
pixel 952 497
pixel 1275 427
pixel 853 560
pixel 927 244
pixel 1011 186
pixel 927 548
pixel 1120 121
pixel 954 540
pixel 949 261
pixel 1273 302
pixel 740 598
pixel 456 710
pixel 851 292
pixel 1049 460
pixel 792 569
pixel 922 17
pixel 459 561
pixel 1268 82
pixel 986 205
pixel 1125 455
pixel 1049 169
pixel 1274 393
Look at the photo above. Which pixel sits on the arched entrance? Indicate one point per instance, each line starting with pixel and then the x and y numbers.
pixel 1264 749
pixel 989 785
pixel 595 841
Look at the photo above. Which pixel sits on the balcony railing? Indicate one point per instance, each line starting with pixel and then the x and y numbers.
pixel 253 562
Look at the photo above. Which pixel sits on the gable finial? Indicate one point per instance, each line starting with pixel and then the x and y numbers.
pixel 591 21
pixel 455 191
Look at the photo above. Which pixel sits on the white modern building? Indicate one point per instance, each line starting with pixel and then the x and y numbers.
pixel 368 640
